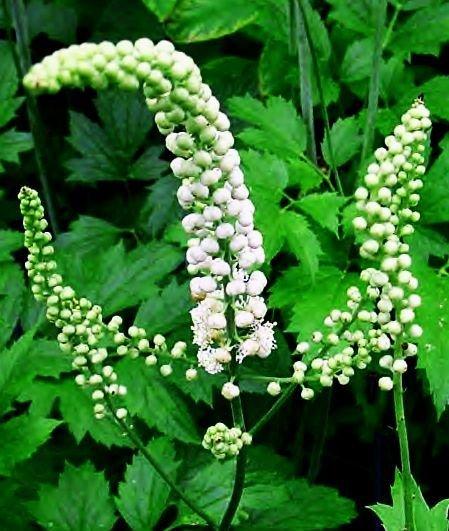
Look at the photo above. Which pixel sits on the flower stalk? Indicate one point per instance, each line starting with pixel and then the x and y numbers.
pixel 401 429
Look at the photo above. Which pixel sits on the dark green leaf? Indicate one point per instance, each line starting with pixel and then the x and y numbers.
pixel 143 495
pixel 80 501
pixel 346 141
pixel 165 309
pixel 201 20
pixel 276 126
pixel 21 437
pixel 11 144
pixel 156 401
pixel 161 8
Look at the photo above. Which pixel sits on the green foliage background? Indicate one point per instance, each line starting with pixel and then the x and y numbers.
pixel 119 242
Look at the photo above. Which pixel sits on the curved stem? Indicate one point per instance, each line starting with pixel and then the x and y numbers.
pixel 134 438
pixel 401 429
pixel 23 62
pixel 316 68
pixel 274 409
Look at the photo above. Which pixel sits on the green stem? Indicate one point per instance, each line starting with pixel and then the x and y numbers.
pixel 320 440
pixel 401 429
pixel 274 409
pixel 22 56
pixel 301 48
pixel 391 25
pixel 134 438
pixel 240 470
pixel 316 68
pixel 373 95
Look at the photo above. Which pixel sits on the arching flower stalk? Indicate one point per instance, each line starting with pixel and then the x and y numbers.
pixel 379 320
pixel 83 332
pixel 225 250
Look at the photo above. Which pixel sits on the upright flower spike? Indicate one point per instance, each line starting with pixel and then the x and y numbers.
pixel 83 332
pixel 380 319
pixel 225 250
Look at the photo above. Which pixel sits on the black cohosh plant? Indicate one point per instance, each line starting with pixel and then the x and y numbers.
pixel 225 255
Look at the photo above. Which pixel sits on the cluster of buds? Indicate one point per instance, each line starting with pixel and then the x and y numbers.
pixel 82 330
pixel 225 442
pixel 380 319
pixel 225 250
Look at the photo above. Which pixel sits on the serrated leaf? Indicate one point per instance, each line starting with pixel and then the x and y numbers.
pixel 297 506
pixel 435 194
pixel 161 8
pixel 423 32
pixel 270 500
pixel 425 242
pixel 87 234
pixel 301 241
pixel 201 20
pixel 357 61
pixel 116 279
pixel 160 208
pixel 267 176
pixel 12 289
pixel 143 494
pixel 358 15
pixel 433 317
pixel 393 516
pixel 10 241
pixel 76 407
pixel 277 128
pixel 315 301
pixel 165 309
pixel 278 69
pixel 11 144
pixel 435 91
pixel 8 85
pixel 80 501
pixel 305 174
pixel 156 401
pixel 346 140
pixel 21 437
pixel 109 152
pixel 323 208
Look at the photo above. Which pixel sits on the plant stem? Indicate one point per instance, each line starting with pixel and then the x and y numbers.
pixel 373 95
pixel 316 68
pixel 401 429
pixel 274 409
pixel 240 470
pixel 391 25
pixel 134 438
pixel 22 56
pixel 301 48
pixel 320 440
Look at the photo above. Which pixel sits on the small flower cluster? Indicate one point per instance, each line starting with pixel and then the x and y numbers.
pixel 225 442
pixel 381 320
pixel 225 250
pixel 82 330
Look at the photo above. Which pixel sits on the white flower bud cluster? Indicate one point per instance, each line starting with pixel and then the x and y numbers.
pixel 82 331
pixel 343 347
pixel 382 318
pixel 225 249
pixel 225 442
pixel 387 206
